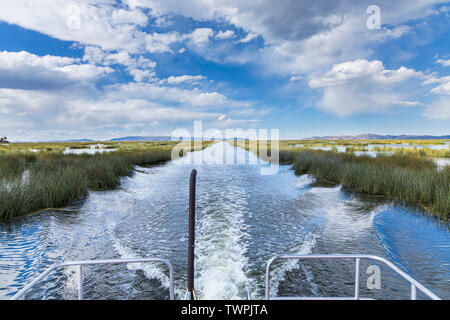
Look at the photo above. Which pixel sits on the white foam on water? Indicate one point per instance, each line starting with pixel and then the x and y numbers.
pixel 340 217
pixel 151 270
pixel 221 249
pixel 71 284
pixel 279 271
pixel 305 180
pixel 320 190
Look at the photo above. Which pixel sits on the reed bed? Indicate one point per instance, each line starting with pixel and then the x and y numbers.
pixel 408 178
pixel 33 181
pixel 408 146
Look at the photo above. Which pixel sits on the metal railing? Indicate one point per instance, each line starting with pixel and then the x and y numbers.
pixel 79 264
pixel 414 284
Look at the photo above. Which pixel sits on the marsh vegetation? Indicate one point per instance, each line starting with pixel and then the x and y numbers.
pixel 407 177
pixel 48 178
pixel 423 148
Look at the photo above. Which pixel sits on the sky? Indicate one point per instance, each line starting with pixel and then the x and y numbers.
pixel 102 69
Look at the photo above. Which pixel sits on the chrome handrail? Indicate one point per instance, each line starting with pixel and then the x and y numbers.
pixel 414 283
pixel 79 264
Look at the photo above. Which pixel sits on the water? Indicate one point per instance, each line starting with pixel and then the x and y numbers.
pixel 370 147
pixel 243 220
pixel 87 151
pixel 444 146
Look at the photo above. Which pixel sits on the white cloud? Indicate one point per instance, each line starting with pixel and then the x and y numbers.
pixel 363 86
pixel 183 97
pixel 142 75
pixel 297 33
pixel 444 84
pixel 129 17
pixel 141 68
pixel 200 36
pixel 248 38
pixel 184 79
pixel 85 21
pixel 120 107
pixel 161 42
pixel 444 88
pixel 225 34
pixel 24 70
pixel 444 63
pixel 301 36
pixel 438 110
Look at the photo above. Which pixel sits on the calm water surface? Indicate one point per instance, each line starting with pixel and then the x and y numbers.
pixel 243 219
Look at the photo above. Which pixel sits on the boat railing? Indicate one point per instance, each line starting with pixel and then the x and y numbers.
pixel 79 265
pixel 415 285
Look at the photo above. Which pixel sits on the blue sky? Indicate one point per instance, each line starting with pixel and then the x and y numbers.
pixel 102 69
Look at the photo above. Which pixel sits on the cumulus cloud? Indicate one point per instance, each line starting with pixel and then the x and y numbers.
pixel 248 38
pixel 294 31
pixel 141 68
pixel 115 107
pixel 200 36
pixel 173 95
pixel 444 63
pixel 161 42
pixel 88 22
pixel 225 34
pixel 301 35
pixel 438 110
pixel 184 79
pixel 23 70
pixel 442 88
pixel 363 86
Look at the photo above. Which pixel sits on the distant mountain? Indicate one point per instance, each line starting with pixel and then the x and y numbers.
pixel 369 136
pixel 55 141
pixel 76 140
pixel 139 138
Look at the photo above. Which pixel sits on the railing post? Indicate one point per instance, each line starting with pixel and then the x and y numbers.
pixel 191 241
pixel 358 260
pixel 80 282
pixel 413 292
pixel 268 278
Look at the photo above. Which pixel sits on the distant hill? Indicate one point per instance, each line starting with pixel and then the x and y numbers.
pixel 55 141
pixel 76 140
pixel 139 138
pixel 358 137
pixel 369 136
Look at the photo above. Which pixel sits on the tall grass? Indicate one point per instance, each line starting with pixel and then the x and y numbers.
pixel 406 177
pixel 35 181
pixel 409 179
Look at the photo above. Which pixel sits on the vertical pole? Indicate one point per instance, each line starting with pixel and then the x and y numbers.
pixel 80 282
pixel 357 278
pixel 413 292
pixel 191 241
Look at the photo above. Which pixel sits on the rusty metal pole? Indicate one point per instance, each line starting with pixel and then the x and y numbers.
pixel 191 241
